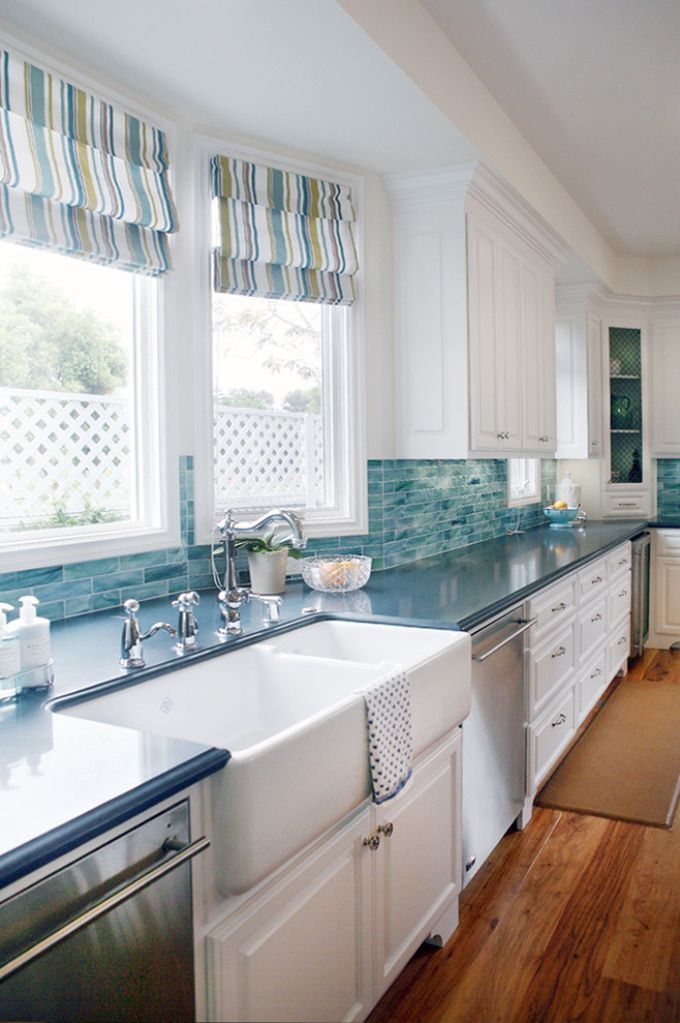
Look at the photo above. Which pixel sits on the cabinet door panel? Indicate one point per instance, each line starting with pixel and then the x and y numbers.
pixel 485 408
pixel 320 919
pixel 665 376
pixel 667 595
pixel 508 366
pixel 538 331
pixel 418 865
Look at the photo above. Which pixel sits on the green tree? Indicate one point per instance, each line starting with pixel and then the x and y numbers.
pixel 303 400
pixel 281 339
pixel 48 343
pixel 241 397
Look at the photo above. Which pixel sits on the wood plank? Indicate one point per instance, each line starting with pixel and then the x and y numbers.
pixel 664 667
pixel 494 985
pixel 614 1002
pixel 644 939
pixel 563 985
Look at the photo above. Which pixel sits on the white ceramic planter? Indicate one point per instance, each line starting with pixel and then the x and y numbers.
pixel 267 571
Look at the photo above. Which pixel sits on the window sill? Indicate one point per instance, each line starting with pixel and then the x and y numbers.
pixel 17 555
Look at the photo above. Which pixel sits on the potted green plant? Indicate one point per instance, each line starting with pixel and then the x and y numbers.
pixel 267 559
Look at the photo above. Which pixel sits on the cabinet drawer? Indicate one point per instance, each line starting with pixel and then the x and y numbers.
pixel 551 608
pixel 619 599
pixel 549 736
pixel 668 543
pixel 627 504
pixel 591 684
pixel 618 648
pixel 592 579
pixel 591 626
pixel 550 668
pixel 620 560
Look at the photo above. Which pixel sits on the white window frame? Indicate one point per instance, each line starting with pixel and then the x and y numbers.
pixel 345 435
pixel 157 460
pixel 524 482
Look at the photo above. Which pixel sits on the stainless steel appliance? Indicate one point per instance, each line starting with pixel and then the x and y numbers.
pixel 108 937
pixel 639 610
pixel 494 757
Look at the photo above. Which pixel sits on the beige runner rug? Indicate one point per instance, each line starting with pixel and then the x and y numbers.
pixel 627 763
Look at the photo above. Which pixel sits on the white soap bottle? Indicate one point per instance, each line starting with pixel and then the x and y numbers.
pixel 10 654
pixel 34 635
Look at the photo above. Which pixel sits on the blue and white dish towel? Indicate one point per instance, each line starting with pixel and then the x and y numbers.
pixel 390 738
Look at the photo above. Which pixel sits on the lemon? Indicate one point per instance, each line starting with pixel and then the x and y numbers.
pixel 558 505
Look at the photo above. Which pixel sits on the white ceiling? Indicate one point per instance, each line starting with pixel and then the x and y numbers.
pixel 594 86
pixel 296 73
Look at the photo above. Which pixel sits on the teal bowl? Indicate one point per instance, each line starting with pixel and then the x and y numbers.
pixel 560 516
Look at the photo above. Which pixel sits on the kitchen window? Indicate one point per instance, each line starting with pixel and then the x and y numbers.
pixel 287 425
pixel 86 209
pixel 78 402
pixel 524 481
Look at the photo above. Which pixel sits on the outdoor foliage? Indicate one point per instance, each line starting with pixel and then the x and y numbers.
pixel 48 343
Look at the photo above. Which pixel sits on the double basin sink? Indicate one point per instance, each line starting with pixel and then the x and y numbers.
pixel 289 710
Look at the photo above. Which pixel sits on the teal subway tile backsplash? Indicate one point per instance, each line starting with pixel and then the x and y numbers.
pixel 416 509
pixel 668 487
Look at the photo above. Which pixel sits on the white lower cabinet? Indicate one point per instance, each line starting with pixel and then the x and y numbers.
pixel 418 863
pixel 574 661
pixel 591 683
pixel 550 735
pixel 327 936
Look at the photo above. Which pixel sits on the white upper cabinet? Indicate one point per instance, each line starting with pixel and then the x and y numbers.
pixel 579 345
pixel 665 359
pixel 474 285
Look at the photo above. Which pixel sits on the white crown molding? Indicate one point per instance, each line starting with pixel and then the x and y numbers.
pixel 480 189
pixel 490 194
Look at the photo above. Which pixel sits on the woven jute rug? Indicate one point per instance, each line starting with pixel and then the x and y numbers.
pixel 626 764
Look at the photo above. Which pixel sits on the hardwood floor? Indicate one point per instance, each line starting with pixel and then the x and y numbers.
pixel 576 918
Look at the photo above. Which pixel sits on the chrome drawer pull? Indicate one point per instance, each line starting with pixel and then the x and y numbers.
pixel 598 671
pixel 622 640
pixel 560 607
pixel 597 579
pixel 623 593
pixel 623 561
pixel 560 652
pixel 597 617
pixel 560 721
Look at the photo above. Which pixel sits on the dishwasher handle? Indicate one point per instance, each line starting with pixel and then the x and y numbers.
pixel 107 904
pixel 524 623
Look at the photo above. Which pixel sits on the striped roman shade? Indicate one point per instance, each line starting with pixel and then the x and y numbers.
pixel 282 235
pixel 79 175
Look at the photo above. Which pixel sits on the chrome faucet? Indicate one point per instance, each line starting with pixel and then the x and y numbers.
pixel 232 598
pixel 132 636
pixel 187 626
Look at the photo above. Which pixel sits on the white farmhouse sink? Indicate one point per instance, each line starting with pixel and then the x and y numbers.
pixel 289 711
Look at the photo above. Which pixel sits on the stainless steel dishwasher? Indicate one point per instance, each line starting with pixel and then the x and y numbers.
pixel 108 937
pixel 494 742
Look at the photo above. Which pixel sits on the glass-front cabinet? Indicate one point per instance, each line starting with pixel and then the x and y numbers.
pixel 628 469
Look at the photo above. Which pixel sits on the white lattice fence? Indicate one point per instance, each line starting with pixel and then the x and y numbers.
pixel 62 451
pixel 264 457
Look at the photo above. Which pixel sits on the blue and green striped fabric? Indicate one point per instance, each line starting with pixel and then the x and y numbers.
pixel 282 235
pixel 81 176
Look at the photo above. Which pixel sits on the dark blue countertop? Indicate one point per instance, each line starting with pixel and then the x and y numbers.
pixel 64 780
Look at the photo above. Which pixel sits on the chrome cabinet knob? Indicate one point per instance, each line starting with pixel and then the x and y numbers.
pixel 386 829
pixel 372 842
